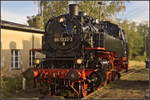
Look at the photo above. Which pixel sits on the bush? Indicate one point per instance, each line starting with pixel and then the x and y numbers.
pixel 140 58
pixel 10 85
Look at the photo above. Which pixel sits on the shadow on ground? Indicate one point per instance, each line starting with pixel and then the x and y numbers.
pixel 130 84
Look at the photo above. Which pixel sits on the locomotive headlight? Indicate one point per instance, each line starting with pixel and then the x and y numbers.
pixel 61 20
pixel 79 61
pixel 97 21
pixel 37 61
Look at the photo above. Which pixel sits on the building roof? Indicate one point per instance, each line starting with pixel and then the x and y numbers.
pixel 20 27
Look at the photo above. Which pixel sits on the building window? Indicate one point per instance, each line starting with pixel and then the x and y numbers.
pixel 15 59
pixel 32 57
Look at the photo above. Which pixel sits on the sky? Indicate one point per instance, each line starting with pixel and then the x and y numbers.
pixel 137 11
pixel 17 11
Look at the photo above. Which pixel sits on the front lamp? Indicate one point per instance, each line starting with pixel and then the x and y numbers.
pixel 62 19
pixel 79 61
pixel 37 61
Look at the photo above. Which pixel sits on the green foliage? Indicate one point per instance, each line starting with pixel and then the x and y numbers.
pixel 10 86
pixel 105 11
pixel 36 21
pixel 140 58
pixel 135 35
pixel 50 9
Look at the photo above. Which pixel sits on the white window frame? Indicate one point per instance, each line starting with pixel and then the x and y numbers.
pixel 32 57
pixel 15 55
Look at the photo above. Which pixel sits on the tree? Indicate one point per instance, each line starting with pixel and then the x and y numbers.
pixel 105 12
pixel 36 21
pixel 50 9
pixel 135 35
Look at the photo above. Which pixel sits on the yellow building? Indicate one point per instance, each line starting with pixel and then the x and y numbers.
pixel 16 43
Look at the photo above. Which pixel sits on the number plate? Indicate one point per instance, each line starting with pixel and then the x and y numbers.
pixel 63 39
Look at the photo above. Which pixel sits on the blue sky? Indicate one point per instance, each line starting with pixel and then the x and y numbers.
pixel 17 11
pixel 136 11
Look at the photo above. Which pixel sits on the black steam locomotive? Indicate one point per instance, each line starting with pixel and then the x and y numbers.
pixel 82 53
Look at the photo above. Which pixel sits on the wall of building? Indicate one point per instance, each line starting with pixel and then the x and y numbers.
pixel 21 40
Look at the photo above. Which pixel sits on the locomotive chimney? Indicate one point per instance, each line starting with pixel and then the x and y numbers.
pixel 73 9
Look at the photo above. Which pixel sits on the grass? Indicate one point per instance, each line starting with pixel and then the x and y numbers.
pixel 134 63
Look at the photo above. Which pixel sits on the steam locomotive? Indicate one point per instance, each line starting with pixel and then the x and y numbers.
pixel 82 54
